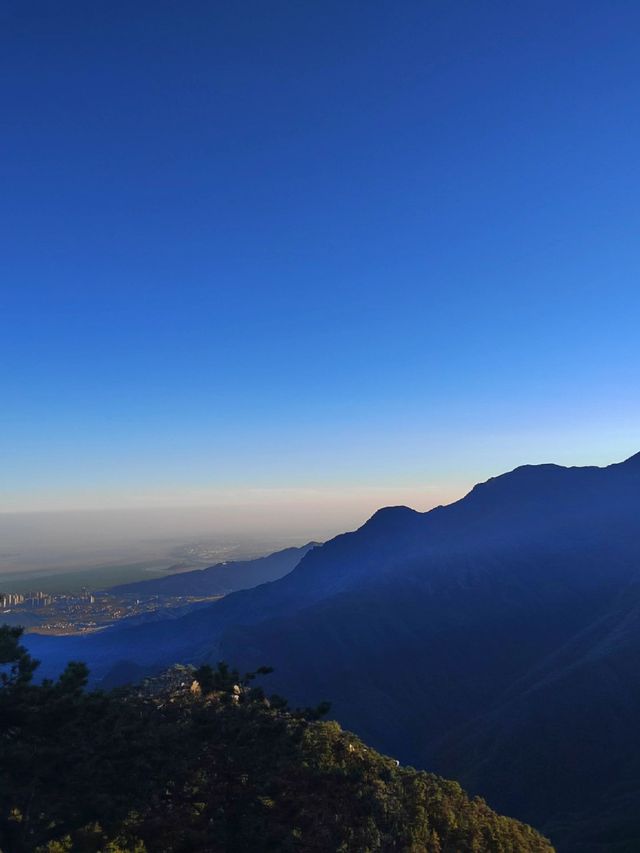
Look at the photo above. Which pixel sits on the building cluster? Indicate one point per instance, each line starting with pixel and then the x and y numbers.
pixel 86 596
pixel 30 599
pixel 38 599
pixel 10 599
pixel 27 600
pixel 79 611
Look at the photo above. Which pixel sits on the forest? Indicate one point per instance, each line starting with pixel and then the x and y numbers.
pixel 205 760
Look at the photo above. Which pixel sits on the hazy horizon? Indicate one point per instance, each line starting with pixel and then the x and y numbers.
pixel 244 523
pixel 254 520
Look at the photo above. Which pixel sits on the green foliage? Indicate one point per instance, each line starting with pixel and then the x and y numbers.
pixel 16 666
pixel 226 769
pixel 225 680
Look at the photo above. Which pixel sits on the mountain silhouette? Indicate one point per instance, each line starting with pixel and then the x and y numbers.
pixel 495 640
pixel 222 578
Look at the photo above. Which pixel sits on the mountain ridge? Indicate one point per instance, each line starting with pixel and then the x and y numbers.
pixel 432 630
pixel 221 578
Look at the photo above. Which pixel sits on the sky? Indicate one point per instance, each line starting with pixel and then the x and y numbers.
pixel 297 260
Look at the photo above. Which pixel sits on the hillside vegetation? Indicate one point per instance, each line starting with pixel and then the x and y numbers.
pixel 203 761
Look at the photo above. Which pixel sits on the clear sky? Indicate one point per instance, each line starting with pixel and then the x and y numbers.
pixel 342 253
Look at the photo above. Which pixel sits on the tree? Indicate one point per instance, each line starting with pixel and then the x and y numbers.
pixel 17 666
pixel 166 771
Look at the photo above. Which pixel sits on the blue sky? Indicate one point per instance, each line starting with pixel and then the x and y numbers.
pixel 342 249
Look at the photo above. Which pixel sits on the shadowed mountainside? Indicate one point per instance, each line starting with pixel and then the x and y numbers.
pixel 494 640
pixel 222 578
pixel 203 760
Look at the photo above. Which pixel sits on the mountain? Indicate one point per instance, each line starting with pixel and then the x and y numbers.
pixel 221 578
pixel 205 761
pixel 494 640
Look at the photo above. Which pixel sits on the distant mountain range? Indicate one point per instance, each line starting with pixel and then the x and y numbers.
pixel 495 640
pixel 221 578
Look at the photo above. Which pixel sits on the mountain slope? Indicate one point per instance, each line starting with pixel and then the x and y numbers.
pixel 221 578
pixel 203 761
pixel 473 640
